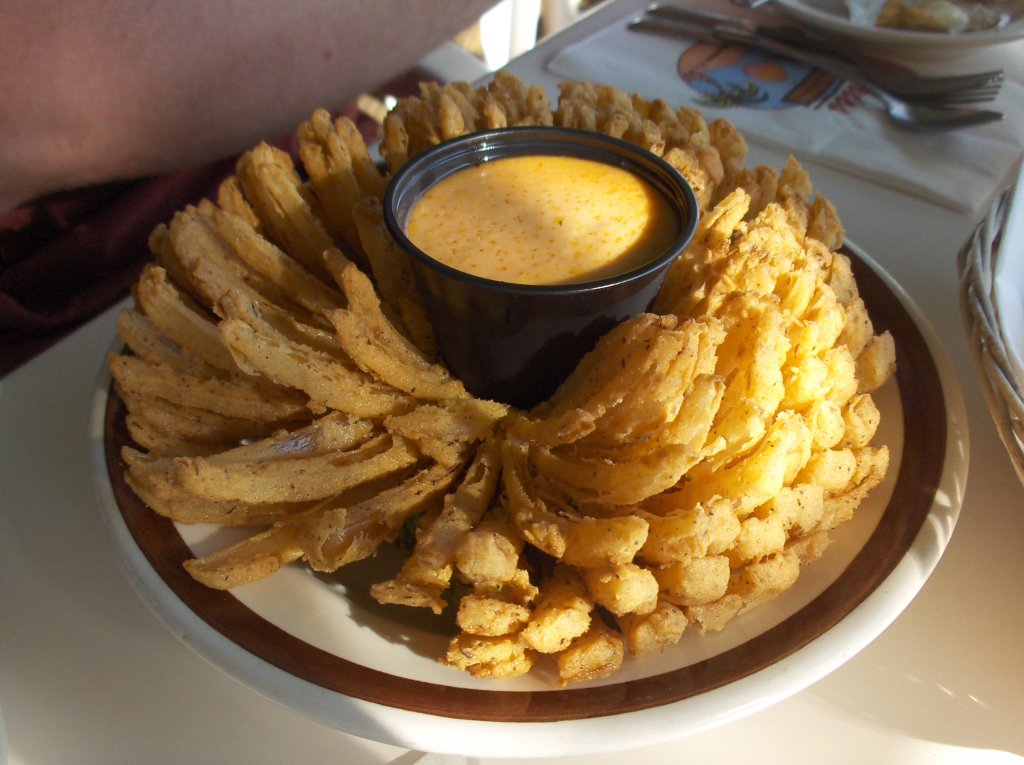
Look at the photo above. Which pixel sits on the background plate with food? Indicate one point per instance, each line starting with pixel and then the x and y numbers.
pixel 833 17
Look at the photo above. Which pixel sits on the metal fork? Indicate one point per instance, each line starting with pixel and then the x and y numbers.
pixel 894 78
pixel 908 114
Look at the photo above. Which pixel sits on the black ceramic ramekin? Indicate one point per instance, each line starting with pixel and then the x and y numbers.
pixel 512 342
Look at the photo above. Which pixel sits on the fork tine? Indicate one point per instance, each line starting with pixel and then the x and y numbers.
pixel 913 85
pixel 984 78
pixel 991 79
pixel 975 96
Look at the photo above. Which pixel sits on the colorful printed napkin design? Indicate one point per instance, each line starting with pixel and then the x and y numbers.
pixel 725 76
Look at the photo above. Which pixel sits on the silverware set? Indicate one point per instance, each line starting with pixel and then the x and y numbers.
pixel 911 100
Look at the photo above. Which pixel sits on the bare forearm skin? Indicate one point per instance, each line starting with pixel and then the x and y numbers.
pixel 98 90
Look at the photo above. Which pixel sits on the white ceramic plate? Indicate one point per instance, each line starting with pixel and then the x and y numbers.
pixel 321 646
pixel 831 16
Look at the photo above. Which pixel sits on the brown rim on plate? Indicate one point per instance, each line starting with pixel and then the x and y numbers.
pixel 924 439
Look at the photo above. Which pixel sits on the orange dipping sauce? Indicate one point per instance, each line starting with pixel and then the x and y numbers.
pixel 542 220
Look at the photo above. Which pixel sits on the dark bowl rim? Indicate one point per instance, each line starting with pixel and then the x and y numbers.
pixel 636 158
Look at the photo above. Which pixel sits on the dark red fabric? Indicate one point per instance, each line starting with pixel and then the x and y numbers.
pixel 68 257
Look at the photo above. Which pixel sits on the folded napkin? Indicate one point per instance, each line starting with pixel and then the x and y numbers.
pixel 792 107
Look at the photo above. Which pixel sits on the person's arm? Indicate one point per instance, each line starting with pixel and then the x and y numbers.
pixel 100 90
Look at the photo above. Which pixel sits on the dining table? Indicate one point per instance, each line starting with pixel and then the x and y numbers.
pixel 90 672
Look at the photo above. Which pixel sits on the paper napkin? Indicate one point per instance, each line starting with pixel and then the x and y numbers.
pixel 792 107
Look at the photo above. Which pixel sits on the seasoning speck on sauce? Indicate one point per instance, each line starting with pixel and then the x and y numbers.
pixel 542 220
